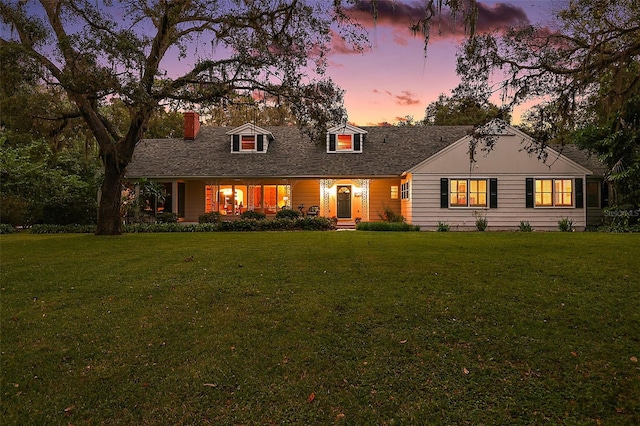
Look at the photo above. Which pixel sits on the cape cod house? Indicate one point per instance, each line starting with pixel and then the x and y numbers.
pixel 427 174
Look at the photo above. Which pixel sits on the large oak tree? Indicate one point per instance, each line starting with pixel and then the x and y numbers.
pixel 148 53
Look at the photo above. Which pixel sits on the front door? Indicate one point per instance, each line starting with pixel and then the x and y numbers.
pixel 344 202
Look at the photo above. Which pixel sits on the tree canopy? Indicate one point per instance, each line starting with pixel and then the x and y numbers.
pixel 151 53
pixel 585 66
pixel 462 111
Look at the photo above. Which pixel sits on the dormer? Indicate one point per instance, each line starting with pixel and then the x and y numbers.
pixel 345 138
pixel 250 138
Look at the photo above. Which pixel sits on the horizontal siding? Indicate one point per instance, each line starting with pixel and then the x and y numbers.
pixel 194 202
pixel 510 212
pixel 380 198
pixel 305 192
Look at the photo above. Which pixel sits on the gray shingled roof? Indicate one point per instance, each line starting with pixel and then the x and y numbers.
pixel 582 157
pixel 387 151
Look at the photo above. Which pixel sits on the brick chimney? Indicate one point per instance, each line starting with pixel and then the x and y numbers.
pixel 191 125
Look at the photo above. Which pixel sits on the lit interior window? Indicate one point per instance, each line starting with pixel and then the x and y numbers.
pixel 345 143
pixel 394 192
pixel 248 143
pixel 544 192
pixel 458 192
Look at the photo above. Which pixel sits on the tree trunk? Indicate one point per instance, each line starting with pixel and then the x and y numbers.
pixel 109 219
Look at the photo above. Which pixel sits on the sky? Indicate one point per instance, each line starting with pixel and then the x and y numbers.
pixel 393 79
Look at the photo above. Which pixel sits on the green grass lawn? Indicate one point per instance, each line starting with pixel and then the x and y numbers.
pixel 321 328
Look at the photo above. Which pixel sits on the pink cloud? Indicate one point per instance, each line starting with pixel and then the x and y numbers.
pixel 399 16
pixel 405 98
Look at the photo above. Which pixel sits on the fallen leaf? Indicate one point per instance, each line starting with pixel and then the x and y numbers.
pixel 340 416
pixel 403 341
pixel 574 353
pixel 69 409
pixel 465 371
pixel 634 359
pixel 211 385
pixel 311 397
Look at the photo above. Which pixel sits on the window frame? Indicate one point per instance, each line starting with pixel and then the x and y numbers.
pixel 395 192
pixel 468 193
pixel 404 191
pixel 545 197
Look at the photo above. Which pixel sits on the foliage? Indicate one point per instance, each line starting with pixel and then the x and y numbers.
pixel 167 217
pixel 524 226
pixel 584 67
pixel 565 225
pixel 97 52
pixel 389 215
pixel 288 214
pixel 386 226
pixel 38 185
pixel 407 328
pixel 252 214
pixel 621 219
pixel 481 221
pixel 6 228
pixel 62 229
pixel 443 227
pixel 462 111
pixel 211 217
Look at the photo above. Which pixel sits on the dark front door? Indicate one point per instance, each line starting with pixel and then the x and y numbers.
pixel 344 202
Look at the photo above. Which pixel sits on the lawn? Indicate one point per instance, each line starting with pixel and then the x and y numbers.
pixel 321 328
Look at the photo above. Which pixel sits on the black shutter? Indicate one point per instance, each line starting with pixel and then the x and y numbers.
pixel 260 143
pixel 356 142
pixel 444 193
pixel 493 193
pixel 604 194
pixel 579 194
pixel 529 192
pixel 236 143
pixel 332 142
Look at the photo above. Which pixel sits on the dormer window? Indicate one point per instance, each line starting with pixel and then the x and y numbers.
pixel 345 139
pixel 249 138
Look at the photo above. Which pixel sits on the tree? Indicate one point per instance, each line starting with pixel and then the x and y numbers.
pixel 586 67
pixel 95 52
pixel 462 111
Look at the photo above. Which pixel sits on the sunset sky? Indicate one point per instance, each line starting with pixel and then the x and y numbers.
pixel 394 78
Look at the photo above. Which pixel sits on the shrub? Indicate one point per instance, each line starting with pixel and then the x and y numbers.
pixel 525 226
pixel 481 222
pixel 62 229
pixel 386 226
pixel 388 215
pixel 7 228
pixel 288 214
pixel 252 214
pixel 565 224
pixel 167 217
pixel 443 227
pixel 211 217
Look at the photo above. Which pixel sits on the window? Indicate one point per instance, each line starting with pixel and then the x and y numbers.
pixel 468 193
pixel 405 191
pixel 345 143
pixel 394 192
pixel 554 192
pixel 248 143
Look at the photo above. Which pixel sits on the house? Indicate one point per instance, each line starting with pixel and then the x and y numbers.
pixel 427 174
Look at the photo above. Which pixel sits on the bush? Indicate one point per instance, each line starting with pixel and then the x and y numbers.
pixel 62 229
pixel 211 217
pixel 167 217
pixel 565 224
pixel 252 214
pixel 525 226
pixel 388 215
pixel 386 226
pixel 443 227
pixel 7 228
pixel 481 223
pixel 288 214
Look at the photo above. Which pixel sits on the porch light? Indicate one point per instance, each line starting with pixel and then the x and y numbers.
pixel 357 192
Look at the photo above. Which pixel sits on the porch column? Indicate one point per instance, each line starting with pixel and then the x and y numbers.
pixel 174 196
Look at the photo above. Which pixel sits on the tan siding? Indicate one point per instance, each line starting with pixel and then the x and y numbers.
pixel 305 192
pixel 511 208
pixel 194 200
pixel 380 197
